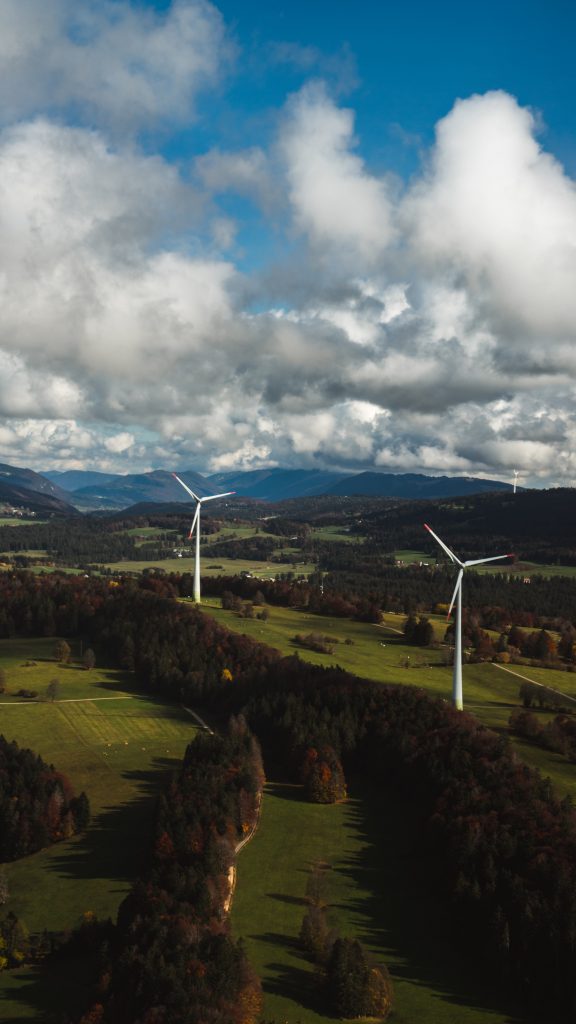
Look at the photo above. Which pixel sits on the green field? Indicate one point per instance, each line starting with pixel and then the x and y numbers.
pixel 513 569
pixel 18 521
pixel 373 894
pixel 335 533
pixel 213 565
pixel 378 653
pixel 117 746
pixel 414 557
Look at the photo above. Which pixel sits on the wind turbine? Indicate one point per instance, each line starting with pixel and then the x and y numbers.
pixel 516 475
pixel 457 597
pixel 196 523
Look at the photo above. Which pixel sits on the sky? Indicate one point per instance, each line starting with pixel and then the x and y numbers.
pixel 335 235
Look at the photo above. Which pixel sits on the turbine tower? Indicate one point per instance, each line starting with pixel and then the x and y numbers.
pixel 196 524
pixel 516 475
pixel 457 597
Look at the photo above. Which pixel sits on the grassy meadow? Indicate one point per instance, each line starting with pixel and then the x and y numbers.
pixel 372 894
pixel 378 653
pixel 115 745
pixel 216 566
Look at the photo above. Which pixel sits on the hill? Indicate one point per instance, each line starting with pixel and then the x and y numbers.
pixel 35 501
pixel 277 484
pixel 414 485
pixel 538 523
pixel 123 491
pixel 15 476
pixel 274 485
pixel 73 479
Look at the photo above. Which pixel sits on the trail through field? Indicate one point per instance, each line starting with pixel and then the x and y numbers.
pixel 534 682
pixel 198 719
pixel 70 700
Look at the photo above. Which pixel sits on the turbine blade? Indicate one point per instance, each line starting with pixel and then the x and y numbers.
pixel 458 584
pixel 211 497
pixel 194 521
pixel 480 561
pixel 186 488
pixel 450 554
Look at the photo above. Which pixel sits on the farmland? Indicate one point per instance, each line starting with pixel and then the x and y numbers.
pixel 363 840
pixel 378 653
pixel 116 746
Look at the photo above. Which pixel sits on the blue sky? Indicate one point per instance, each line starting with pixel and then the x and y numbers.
pixel 334 235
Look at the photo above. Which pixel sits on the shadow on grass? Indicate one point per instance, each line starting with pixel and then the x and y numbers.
pixel 397 909
pixel 117 841
pixel 41 988
pixel 290 980
pixel 287 791
pixel 295 901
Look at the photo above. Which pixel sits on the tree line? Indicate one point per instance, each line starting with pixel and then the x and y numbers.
pixel 493 840
pixel 37 804
pixel 171 958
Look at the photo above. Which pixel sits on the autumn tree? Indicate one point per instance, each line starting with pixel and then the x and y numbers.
pixel 355 986
pixel 88 659
pixel 53 689
pixel 323 776
pixel 62 652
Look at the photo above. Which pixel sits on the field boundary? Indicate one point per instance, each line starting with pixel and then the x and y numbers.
pixel 534 682
pixel 70 700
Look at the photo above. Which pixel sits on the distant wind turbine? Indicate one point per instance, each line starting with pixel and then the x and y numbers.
pixel 457 597
pixel 196 524
pixel 516 475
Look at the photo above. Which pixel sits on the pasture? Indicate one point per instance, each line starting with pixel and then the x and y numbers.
pixel 213 565
pixel 117 746
pixel 373 894
pixel 378 653
pixel 522 568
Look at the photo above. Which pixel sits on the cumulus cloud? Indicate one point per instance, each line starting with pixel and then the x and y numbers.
pixel 497 211
pixel 122 66
pixel 336 202
pixel 245 172
pixel 430 330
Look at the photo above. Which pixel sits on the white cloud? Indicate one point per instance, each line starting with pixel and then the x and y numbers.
pixel 337 203
pixel 117 64
pixel 245 172
pixel 500 212
pixel 432 331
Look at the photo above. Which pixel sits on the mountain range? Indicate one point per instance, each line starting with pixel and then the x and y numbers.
pixel 88 491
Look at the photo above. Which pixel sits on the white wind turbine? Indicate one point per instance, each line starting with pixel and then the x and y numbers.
pixel 516 475
pixel 196 524
pixel 457 597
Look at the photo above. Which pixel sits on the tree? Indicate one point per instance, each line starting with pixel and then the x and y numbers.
pixel 53 689
pixel 355 986
pixel 423 634
pixel 323 776
pixel 317 885
pixel 62 652
pixel 2 680
pixel 88 659
pixel 314 932
pixel 4 890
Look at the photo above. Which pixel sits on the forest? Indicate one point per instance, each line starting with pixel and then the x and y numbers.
pixel 492 836
pixel 37 803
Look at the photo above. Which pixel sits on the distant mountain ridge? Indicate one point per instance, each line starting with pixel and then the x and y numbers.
pixel 116 492
pixel 35 501
pixel 16 476
pixel 414 485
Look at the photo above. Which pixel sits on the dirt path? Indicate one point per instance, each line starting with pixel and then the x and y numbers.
pixel 67 700
pixel 534 682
